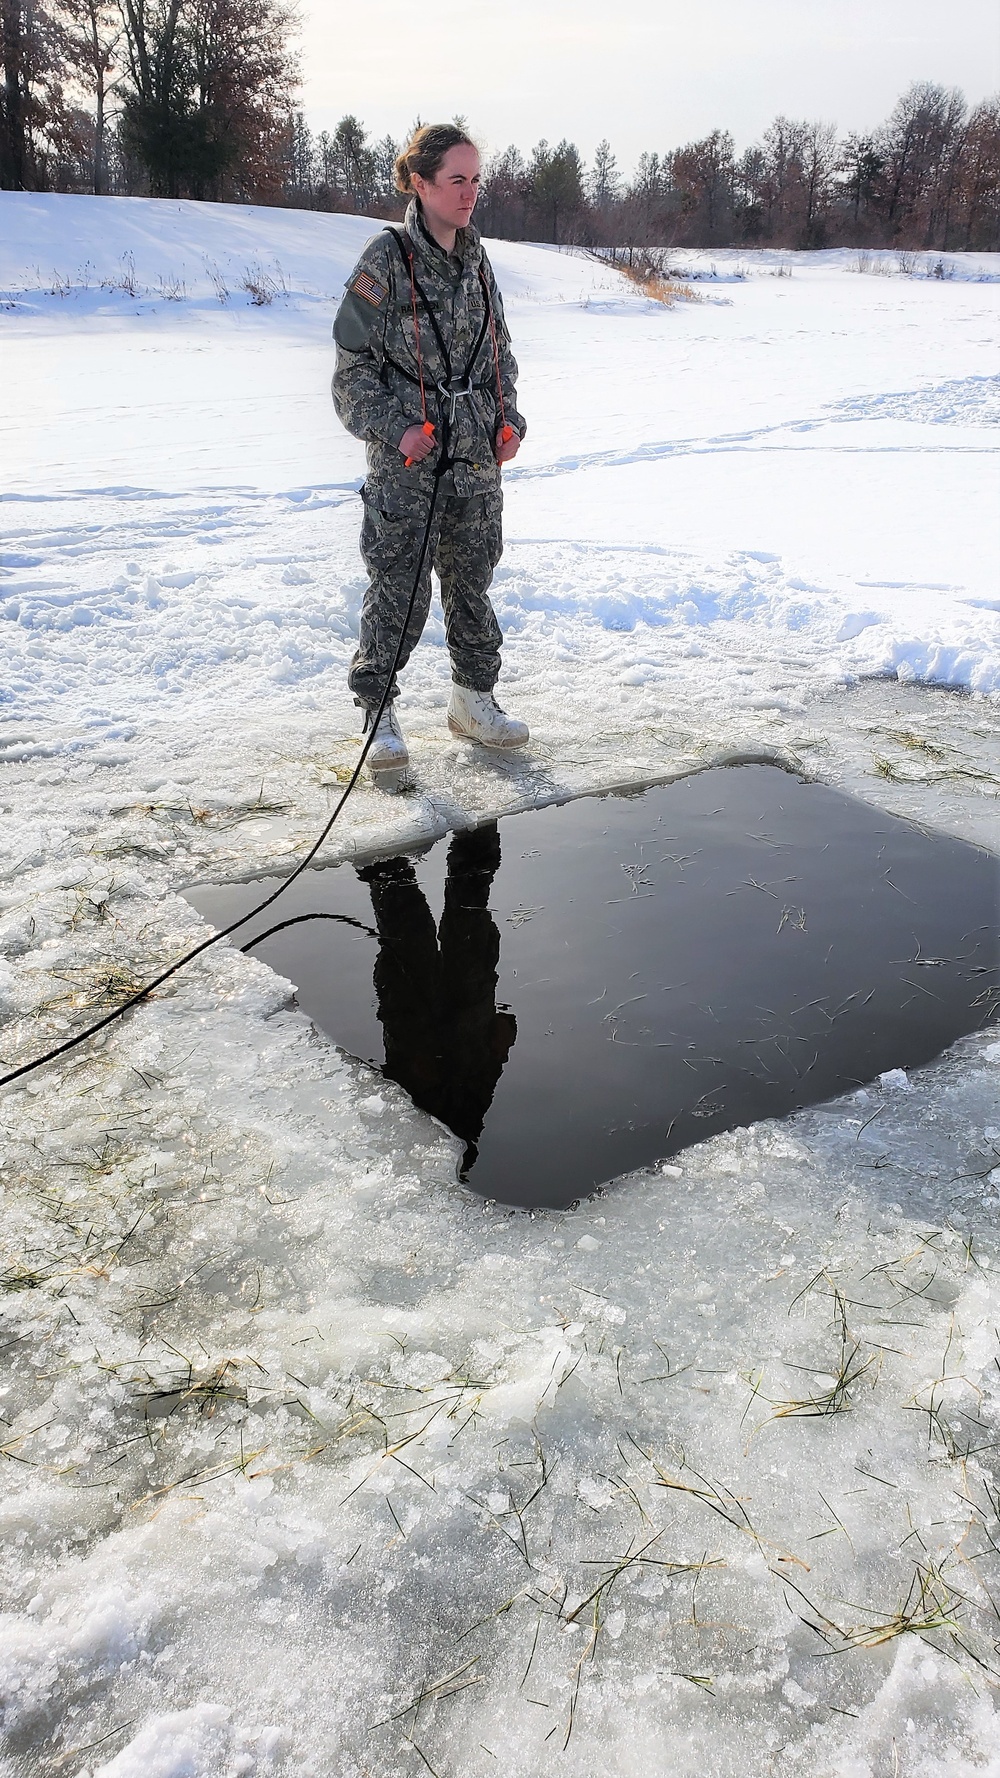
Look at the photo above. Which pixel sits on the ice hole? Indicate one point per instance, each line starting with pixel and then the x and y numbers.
pixel 586 989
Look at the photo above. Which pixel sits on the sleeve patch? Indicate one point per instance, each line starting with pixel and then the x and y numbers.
pixel 364 285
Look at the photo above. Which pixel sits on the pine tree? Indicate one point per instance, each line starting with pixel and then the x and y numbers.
pixel 557 187
pixel 862 167
pixel 604 181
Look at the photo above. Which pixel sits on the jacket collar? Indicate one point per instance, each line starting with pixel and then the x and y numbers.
pixel 468 249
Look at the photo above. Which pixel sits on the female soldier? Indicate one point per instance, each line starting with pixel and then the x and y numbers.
pixel 425 375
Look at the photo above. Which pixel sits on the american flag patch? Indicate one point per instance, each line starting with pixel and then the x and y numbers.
pixel 366 286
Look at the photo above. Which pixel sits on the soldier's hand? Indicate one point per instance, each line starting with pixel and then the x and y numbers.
pixel 505 451
pixel 415 443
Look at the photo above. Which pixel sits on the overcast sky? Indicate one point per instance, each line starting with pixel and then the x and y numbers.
pixel 646 73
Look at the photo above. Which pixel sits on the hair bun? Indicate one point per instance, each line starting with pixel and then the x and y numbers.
pixel 425 151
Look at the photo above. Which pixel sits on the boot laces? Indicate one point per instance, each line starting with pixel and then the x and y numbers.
pixel 387 722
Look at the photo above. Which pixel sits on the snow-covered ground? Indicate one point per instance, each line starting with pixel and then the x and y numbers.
pixel 315 1465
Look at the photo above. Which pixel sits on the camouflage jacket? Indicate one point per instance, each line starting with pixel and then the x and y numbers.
pixel 375 384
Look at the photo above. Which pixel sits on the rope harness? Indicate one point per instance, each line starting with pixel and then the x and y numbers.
pixel 453 389
pixel 451 393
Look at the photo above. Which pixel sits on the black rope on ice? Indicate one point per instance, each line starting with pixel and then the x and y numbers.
pixel 72 1043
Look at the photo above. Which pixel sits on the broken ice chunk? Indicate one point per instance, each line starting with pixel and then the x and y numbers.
pixel 895 1078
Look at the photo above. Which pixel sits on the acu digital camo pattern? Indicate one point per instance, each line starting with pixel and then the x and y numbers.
pixel 373 392
pixel 465 546
pixel 377 402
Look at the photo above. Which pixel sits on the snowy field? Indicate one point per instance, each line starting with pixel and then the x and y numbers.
pixel 316 1465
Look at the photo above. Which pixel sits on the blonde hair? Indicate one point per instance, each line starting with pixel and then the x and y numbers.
pixel 425 151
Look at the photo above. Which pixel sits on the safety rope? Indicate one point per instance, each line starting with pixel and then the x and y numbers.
pixel 71 1043
pixel 416 336
pixel 489 322
pixel 428 429
pixel 442 465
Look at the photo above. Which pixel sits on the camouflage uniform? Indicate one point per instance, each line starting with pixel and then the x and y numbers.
pixel 377 396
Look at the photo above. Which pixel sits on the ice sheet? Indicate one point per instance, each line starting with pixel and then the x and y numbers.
pixel 311 1464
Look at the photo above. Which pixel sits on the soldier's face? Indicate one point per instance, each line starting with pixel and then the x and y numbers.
pixel 450 197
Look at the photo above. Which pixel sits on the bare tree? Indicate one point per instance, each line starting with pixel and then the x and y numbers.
pixel 918 142
pixel 21 57
pixel 819 165
pixel 37 125
pixel 979 192
pixel 210 84
pixel 703 176
pixel 156 125
pixel 241 78
pixel 93 36
pixel 646 200
pixel 503 207
pixel 783 190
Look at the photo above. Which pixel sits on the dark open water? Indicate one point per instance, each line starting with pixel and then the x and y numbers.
pixel 586 989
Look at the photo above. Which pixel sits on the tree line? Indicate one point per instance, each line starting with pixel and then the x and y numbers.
pixel 167 98
pixel 929 177
pixel 197 98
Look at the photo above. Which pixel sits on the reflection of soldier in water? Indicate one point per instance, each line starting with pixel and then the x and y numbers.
pixel 446 1041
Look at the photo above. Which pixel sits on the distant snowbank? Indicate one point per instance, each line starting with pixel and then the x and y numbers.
pixel 735 263
pixel 50 239
pixel 63 245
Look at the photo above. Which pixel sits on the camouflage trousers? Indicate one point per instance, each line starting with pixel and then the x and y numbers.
pixel 465 545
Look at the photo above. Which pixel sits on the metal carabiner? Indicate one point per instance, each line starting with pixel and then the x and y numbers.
pixel 452 395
